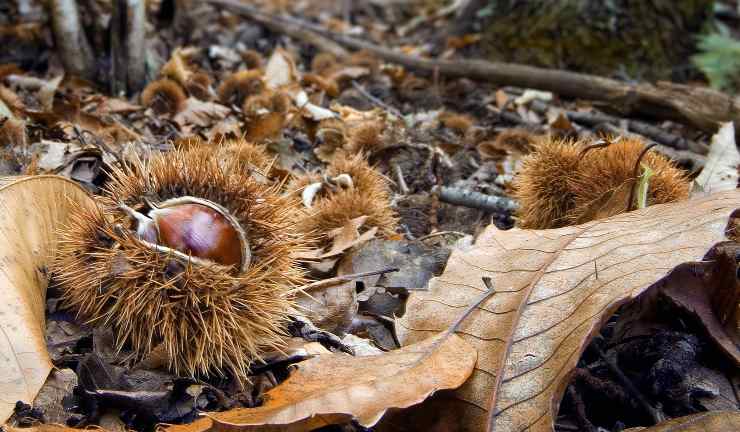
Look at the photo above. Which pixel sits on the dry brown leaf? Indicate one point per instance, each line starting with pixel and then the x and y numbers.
pixel 713 421
pixel 32 209
pixel 708 290
pixel 199 113
pixel 349 236
pixel 280 70
pixel 554 288
pixel 333 388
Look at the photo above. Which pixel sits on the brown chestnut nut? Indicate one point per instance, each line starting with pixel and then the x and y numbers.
pixel 196 227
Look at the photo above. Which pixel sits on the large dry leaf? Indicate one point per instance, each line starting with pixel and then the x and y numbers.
pixel 554 288
pixel 334 388
pixel 31 209
pixel 714 421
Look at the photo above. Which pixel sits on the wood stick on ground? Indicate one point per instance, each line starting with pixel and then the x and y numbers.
pixel 74 48
pixel 653 132
pixel 700 107
pixel 345 278
pixel 694 160
pixel 472 199
pixel 286 27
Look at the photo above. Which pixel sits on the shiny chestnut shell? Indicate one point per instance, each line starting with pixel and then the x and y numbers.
pixel 202 229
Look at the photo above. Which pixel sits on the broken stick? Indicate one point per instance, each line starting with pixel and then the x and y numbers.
pixel 700 107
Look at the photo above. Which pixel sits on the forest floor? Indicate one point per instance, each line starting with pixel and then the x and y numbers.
pixel 495 189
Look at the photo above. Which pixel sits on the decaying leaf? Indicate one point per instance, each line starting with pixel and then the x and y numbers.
pixel 280 69
pixel 554 288
pixel 199 113
pixel 714 421
pixel 32 209
pixel 708 290
pixel 721 171
pixel 333 388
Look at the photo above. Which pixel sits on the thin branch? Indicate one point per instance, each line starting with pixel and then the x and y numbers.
pixel 346 278
pixel 472 199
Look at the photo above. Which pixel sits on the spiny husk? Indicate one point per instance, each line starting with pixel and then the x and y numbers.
pixel 327 85
pixel 164 96
pixel 459 123
pixel 333 208
pixel 208 318
pixel 322 62
pixel 557 186
pixel 367 137
pixel 266 115
pixel 199 85
pixel 240 85
pixel 252 59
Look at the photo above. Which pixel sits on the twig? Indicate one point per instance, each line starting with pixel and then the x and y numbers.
pixel 513 118
pixel 441 233
pixel 696 161
pixel 703 108
pixel 655 414
pixel 647 130
pixel 285 26
pixel 346 278
pixel 375 100
pixel 472 199
pixel 401 181
pixel 491 291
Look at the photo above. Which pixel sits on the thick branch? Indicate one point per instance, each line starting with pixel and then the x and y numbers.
pixel 135 44
pixel 700 107
pixel 74 48
pixel 292 28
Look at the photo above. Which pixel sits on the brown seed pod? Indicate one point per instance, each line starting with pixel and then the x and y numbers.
pixel 199 85
pixel 193 255
pixel 367 137
pixel 176 69
pixel 164 96
pixel 12 133
pixel 368 194
pixel 240 85
pixel 266 114
pixel 561 185
pixel 330 138
pixel 458 123
pixel 322 62
pixel 248 155
pixel 327 85
pixel 252 59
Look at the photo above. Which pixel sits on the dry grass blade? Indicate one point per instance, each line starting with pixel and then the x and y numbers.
pixel 32 208
pixel 554 288
pixel 333 388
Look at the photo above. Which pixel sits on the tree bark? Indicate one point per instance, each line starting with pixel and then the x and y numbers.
pixel 74 47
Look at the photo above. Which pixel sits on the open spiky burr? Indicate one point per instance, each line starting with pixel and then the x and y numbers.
pixel 186 252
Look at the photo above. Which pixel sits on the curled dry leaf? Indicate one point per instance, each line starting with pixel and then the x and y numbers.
pixel 713 421
pixel 334 388
pixel 721 171
pixel 199 113
pixel 554 288
pixel 32 210
pixel 280 70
